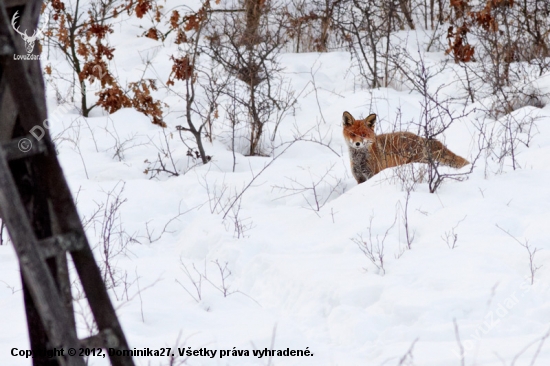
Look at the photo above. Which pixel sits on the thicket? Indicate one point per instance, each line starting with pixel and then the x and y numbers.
pixel 226 68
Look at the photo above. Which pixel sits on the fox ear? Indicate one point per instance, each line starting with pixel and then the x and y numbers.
pixel 347 119
pixel 370 121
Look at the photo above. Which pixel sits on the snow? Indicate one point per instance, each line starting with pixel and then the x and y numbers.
pixel 297 279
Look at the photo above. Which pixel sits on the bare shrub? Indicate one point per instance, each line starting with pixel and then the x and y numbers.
pixel 533 268
pixel 121 144
pixel 226 200
pixel 175 359
pixel 373 248
pixel 241 225
pixel 367 28
pixel 437 114
pixel 501 139
pixel 451 237
pixel 409 232
pixel 511 48
pixel 200 111
pixel 511 32
pixel 165 162
pixel 197 277
pixel 247 44
pixel 459 342
pixel 317 191
pixel 539 342
pixel 152 237
pixel 310 25
pixel 407 359
pixel 112 238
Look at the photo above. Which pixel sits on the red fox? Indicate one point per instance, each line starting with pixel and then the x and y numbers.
pixel 369 153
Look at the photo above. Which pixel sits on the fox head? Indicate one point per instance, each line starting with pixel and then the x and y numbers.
pixel 359 133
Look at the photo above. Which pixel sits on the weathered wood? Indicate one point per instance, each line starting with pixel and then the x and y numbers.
pixel 83 259
pixel 37 211
pixel 22 82
pixel 12 3
pixel 105 338
pixel 8 111
pixel 37 276
pixel 37 206
pixel 62 267
pixel 17 148
pixel 62 243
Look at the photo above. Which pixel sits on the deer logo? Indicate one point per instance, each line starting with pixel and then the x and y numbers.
pixel 29 40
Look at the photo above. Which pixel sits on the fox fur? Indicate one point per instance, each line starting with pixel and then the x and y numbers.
pixel 370 153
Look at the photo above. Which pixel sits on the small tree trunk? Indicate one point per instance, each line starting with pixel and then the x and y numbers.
pixel 200 147
pixel 253 10
pixel 432 10
pixel 404 4
pixel 83 100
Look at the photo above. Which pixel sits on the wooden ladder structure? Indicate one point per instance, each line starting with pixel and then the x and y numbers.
pixel 38 210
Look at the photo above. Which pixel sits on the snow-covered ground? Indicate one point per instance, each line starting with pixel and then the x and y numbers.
pixel 276 272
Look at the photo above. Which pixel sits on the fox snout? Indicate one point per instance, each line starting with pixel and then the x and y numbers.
pixel 359 144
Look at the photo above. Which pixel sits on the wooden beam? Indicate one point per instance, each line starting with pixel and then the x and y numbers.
pixel 12 3
pixel 23 147
pixel 8 111
pixel 37 275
